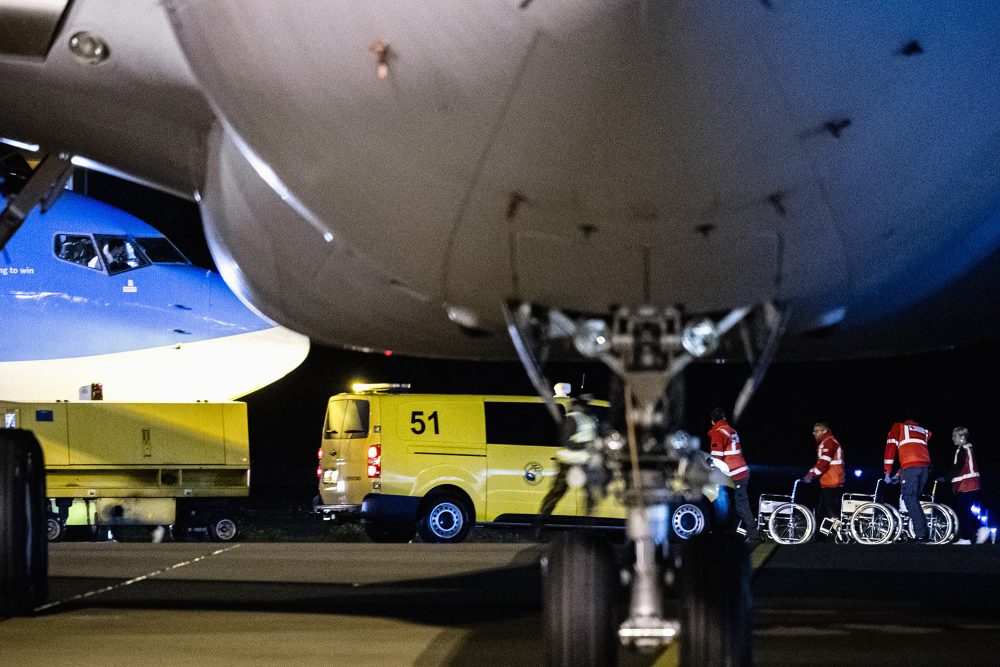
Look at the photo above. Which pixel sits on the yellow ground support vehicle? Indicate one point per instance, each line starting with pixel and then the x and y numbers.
pixel 436 464
pixel 110 465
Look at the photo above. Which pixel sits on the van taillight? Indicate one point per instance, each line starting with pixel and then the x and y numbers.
pixel 374 461
pixel 319 454
pixel 319 472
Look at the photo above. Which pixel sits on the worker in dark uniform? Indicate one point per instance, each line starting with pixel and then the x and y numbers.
pixel 581 464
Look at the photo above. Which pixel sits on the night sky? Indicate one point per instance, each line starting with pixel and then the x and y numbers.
pixel 860 399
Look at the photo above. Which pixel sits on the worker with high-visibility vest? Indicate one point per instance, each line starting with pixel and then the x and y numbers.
pixel 727 455
pixel 909 440
pixel 965 484
pixel 829 467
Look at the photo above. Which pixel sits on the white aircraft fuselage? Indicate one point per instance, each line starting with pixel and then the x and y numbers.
pixel 385 175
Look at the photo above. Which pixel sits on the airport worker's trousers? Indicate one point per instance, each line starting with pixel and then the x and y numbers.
pixel 743 507
pixel 829 504
pixel 913 481
pixel 968 523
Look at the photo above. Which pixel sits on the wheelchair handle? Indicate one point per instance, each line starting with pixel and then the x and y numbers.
pixel 795 487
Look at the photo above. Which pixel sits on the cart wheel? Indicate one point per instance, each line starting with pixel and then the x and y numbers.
pixel 55 531
pixel 223 528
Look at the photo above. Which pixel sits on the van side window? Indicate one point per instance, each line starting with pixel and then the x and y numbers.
pixel 520 424
pixel 356 419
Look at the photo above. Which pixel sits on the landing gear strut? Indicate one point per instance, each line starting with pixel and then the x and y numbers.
pixel 647 349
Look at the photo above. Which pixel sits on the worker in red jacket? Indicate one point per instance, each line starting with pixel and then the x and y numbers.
pixel 909 440
pixel 829 468
pixel 965 484
pixel 727 454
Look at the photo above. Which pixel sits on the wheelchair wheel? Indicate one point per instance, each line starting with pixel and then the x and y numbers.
pixel 791 523
pixel 939 526
pixel 873 523
pixel 899 523
pixel 954 521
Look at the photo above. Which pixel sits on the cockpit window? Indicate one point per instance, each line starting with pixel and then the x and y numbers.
pixel 160 250
pixel 120 253
pixel 78 249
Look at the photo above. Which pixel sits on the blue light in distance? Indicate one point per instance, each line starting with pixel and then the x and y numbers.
pixel 975 509
pixel 857 472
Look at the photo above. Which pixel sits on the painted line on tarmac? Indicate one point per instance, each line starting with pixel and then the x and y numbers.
pixel 134 580
pixel 762 554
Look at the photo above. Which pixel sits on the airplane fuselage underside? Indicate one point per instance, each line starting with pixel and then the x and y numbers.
pixel 842 160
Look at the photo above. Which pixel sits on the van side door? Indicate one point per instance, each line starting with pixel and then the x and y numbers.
pixel 521 444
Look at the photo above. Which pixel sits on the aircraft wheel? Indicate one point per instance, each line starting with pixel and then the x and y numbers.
pixel 580 598
pixel 445 519
pixel 23 510
pixel 386 532
pixel 223 528
pixel 715 601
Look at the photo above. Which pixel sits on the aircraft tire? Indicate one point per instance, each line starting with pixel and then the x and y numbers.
pixel 715 601
pixel 580 601
pixel 384 532
pixel 23 546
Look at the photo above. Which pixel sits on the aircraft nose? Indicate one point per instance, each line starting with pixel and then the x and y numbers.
pixel 245 350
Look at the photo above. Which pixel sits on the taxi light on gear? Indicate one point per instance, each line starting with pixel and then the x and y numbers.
pixel 593 338
pixel 700 338
pixel 88 48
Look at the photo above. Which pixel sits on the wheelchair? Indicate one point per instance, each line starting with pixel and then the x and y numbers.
pixel 942 522
pixel 865 520
pixel 781 519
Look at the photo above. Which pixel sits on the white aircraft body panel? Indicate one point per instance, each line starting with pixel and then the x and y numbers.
pixel 842 160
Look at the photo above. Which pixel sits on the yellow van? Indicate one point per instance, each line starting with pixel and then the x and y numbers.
pixel 435 464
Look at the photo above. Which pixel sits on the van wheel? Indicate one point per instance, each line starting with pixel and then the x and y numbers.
pixel 24 551
pixel 445 519
pixel 223 529
pixel 385 532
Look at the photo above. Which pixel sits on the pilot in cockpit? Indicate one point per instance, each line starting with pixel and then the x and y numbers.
pixel 118 256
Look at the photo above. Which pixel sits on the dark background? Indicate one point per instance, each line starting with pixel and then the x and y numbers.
pixel 860 399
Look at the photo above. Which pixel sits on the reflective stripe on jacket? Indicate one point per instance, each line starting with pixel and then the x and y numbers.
pixel 829 463
pixel 967 476
pixel 909 440
pixel 725 443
